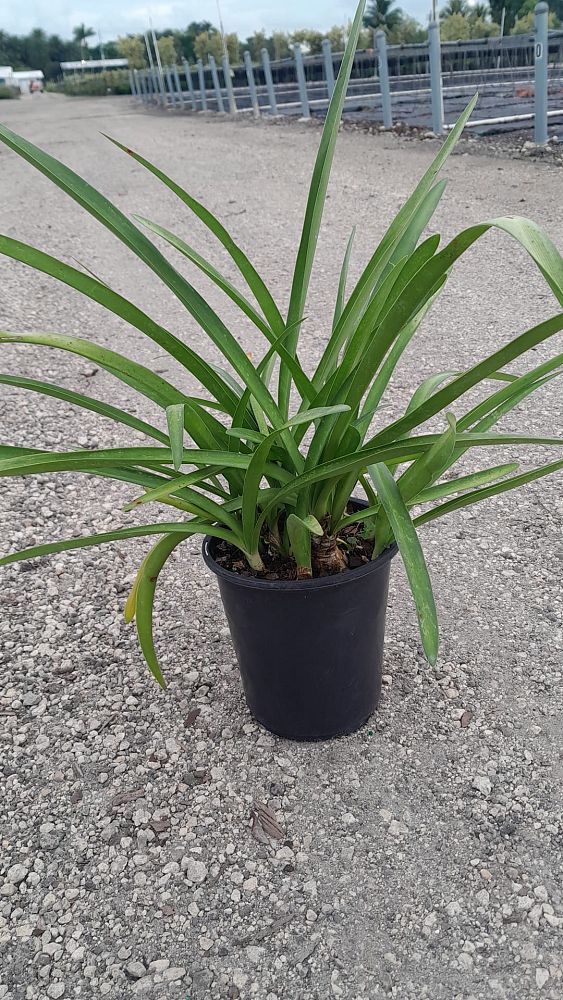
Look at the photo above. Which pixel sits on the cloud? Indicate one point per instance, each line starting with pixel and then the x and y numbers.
pixel 242 16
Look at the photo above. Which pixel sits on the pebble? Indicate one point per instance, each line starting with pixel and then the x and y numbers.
pixel 136 970
pixel 194 871
pixel 542 976
pixel 482 784
pixel 16 874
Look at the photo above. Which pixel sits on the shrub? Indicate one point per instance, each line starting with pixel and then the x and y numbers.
pixel 8 93
pixel 114 81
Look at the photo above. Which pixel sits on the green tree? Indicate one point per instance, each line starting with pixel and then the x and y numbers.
pixel 454 7
pixel 81 34
pixel 255 43
pixel 167 50
pixel 455 27
pixel 483 29
pixel 209 43
pixel 525 25
pixel 382 14
pixel 408 32
pixel 280 45
pixel 187 38
pixel 337 37
pixel 480 11
pixel 133 48
pixel 311 41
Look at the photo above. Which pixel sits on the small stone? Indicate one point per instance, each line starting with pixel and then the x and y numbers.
pixel 136 970
pixel 250 884
pixel 482 784
pixel 453 909
pixel 205 943
pixel 540 892
pixel 397 829
pixel 465 961
pixel 16 874
pixel 482 897
pixel 542 975
pixel 254 953
pixel 159 965
pixel 195 871
pixel 174 974
pixel 56 990
pixel 524 902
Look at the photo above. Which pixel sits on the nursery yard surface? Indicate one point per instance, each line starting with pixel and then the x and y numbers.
pixel 420 857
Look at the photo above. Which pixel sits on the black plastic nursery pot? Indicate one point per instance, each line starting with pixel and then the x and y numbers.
pixel 310 652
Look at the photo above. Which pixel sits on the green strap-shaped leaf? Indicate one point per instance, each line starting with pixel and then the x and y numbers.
pixel 412 556
pixel 341 293
pixel 471 377
pixel 248 271
pixel 86 403
pixel 488 491
pixel 133 374
pixel 535 378
pixel 462 483
pixel 108 214
pixel 183 528
pixel 316 198
pixel 175 421
pixel 210 271
pixel 100 292
pixel 149 572
pixel 421 473
pixel 414 207
pixel 299 531
pixel 457 485
pixel 256 471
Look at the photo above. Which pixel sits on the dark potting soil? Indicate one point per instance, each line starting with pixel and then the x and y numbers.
pixel 357 551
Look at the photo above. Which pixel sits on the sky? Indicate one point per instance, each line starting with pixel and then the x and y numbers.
pixel 113 18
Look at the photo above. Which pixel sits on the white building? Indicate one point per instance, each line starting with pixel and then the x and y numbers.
pixel 20 79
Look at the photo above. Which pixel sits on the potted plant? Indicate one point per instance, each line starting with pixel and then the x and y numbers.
pixel 265 461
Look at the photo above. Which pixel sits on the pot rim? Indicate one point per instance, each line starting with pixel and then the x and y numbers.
pixel 316 583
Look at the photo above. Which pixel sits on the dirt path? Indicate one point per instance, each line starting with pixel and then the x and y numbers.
pixel 423 855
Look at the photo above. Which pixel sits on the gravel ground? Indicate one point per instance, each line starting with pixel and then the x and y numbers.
pixel 421 858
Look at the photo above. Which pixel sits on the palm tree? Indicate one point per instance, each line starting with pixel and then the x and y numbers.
pixel 80 34
pixel 480 10
pixel 455 7
pixel 379 15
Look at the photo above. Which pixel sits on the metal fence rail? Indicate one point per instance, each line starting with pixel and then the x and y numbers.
pixel 520 79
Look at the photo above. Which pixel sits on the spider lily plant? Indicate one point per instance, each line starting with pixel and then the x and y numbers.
pixel 267 457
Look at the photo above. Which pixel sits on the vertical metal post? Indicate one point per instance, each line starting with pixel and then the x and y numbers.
pixel 188 75
pixel 383 72
pixel 502 19
pixel 436 77
pixel 202 90
pixel 301 81
pixel 541 13
pixel 229 83
pixel 159 65
pixel 132 84
pixel 139 83
pixel 329 68
pixel 178 86
pixel 145 86
pixel 171 87
pixel 269 81
pixel 251 83
pixel 215 78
